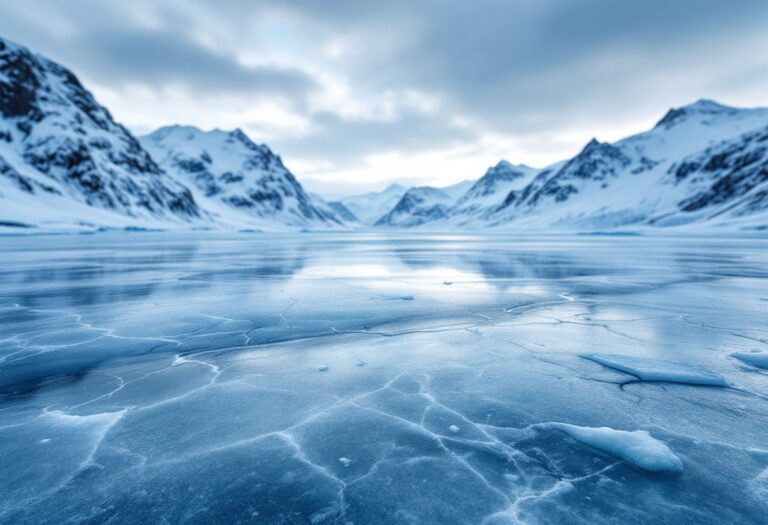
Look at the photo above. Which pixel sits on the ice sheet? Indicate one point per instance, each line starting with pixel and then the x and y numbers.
pixel 211 377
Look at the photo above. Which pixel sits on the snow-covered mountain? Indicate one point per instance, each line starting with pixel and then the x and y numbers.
pixel 370 207
pixel 692 167
pixel 64 161
pixel 336 208
pixel 423 204
pixel 490 190
pixel 704 163
pixel 727 182
pixel 238 181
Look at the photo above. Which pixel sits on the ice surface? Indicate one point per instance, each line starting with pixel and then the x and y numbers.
pixel 637 447
pixel 658 370
pixel 176 377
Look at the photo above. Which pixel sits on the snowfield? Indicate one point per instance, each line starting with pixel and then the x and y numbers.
pixel 338 378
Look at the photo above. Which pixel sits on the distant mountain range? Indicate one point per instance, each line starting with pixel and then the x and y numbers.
pixel 370 207
pixel 423 204
pixel 65 163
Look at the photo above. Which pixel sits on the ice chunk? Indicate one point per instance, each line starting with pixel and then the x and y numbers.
pixel 638 448
pixel 345 461
pixel 323 368
pixel 657 370
pixel 454 428
pixel 758 359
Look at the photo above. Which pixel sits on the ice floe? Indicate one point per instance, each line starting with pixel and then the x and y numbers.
pixel 637 447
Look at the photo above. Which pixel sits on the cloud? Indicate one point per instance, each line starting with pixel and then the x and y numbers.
pixel 339 77
pixel 156 58
pixel 338 139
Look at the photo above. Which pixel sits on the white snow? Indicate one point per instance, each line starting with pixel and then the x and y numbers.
pixel 637 447
pixel 454 429
pixel 629 182
pixel 658 370
pixel 423 204
pixel 370 207
pixel 223 169
pixel 758 359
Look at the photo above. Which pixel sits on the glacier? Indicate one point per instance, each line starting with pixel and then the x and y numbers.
pixel 337 377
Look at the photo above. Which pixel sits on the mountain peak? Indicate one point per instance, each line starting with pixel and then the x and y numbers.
pixel 702 107
pixel 707 104
pixel 212 139
pixel 504 170
pixel 592 145
pixel 394 187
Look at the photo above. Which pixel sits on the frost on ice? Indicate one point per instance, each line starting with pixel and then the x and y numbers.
pixel 657 370
pixel 637 447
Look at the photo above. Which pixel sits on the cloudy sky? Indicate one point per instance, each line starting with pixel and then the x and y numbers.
pixel 356 94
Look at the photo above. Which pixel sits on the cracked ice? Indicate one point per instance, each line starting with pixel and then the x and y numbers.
pixel 335 378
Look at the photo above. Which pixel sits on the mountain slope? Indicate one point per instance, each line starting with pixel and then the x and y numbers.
pixel 336 208
pixel 644 179
pixel 725 182
pixel 63 159
pixel 423 204
pixel 370 207
pixel 485 195
pixel 239 181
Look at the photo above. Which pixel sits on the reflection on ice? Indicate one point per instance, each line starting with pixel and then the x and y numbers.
pixel 362 378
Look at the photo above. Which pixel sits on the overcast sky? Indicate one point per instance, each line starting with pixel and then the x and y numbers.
pixel 356 94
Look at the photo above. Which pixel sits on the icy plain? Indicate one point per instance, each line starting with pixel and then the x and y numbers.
pixel 367 378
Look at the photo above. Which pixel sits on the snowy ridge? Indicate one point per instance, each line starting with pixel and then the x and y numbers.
pixel 488 192
pixel 632 182
pixel 241 182
pixel 370 207
pixel 702 164
pixel 422 204
pixel 64 161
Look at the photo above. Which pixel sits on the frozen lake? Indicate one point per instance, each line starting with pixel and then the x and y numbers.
pixel 361 378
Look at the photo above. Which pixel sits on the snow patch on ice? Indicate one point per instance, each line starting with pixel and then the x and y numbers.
pixel 638 447
pixel 657 370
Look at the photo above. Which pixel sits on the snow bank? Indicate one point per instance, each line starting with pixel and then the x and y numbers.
pixel 657 370
pixel 638 447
